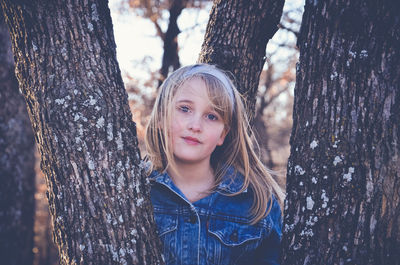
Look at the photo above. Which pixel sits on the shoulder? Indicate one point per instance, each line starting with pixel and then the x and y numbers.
pixel 153 175
pixel 231 182
pixel 273 219
pixel 156 176
pixel 275 208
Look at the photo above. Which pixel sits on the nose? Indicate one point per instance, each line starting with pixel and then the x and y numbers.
pixel 195 124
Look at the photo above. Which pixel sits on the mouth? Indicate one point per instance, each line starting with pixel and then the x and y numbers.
pixel 191 140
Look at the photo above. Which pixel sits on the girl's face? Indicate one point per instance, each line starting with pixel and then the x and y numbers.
pixel 196 128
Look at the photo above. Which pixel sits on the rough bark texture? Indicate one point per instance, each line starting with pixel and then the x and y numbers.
pixel 68 73
pixel 343 183
pixel 236 38
pixel 17 160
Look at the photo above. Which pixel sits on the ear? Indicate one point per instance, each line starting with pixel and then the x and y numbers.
pixel 222 137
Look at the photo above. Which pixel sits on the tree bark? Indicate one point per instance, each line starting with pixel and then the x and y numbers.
pixel 236 38
pixel 67 70
pixel 17 160
pixel 343 182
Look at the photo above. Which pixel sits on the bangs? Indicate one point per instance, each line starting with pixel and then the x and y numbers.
pixel 219 97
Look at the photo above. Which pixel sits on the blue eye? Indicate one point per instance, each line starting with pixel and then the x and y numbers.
pixel 184 108
pixel 212 117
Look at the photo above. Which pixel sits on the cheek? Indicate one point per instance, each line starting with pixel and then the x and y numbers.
pixel 176 128
pixel 218 136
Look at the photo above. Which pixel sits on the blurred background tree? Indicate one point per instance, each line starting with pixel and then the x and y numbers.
pixel 17 160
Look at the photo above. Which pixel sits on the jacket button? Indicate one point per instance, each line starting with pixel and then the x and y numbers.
pixel 234 236
pixel 193 219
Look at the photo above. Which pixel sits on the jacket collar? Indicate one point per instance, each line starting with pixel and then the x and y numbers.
pixel 231 182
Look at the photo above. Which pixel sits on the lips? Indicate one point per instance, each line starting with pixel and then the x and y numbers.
pixel 191 140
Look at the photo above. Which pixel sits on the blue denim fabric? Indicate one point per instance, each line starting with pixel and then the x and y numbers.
pixel 215 229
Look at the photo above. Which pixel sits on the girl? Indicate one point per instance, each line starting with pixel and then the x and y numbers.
pixel 214 201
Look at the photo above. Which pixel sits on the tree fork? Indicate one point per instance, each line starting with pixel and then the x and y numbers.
pixel 236 38
pixel 170 38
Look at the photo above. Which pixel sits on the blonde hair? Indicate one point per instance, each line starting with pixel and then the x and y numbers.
pixel 238 149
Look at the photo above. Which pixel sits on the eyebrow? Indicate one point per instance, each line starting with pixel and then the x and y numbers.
pixel 185 101
pixel 191 102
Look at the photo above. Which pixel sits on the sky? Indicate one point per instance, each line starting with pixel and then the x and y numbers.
pixel 137 40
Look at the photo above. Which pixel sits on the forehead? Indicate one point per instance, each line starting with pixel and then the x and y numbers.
pixel 193 89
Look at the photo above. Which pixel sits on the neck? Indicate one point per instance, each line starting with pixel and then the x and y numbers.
pixel 192 173
pixel 194 180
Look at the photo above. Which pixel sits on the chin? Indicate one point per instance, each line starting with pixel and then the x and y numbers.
pixel 188 159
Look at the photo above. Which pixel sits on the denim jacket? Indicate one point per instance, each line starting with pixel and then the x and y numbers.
pixel 215 229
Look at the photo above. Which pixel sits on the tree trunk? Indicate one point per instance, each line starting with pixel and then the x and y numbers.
pixel 236 38
pixel 67 70
pixel 343 182
pixel 17 160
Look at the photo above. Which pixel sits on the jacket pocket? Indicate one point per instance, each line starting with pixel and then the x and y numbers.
pixel 229 241
pixel 167 230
